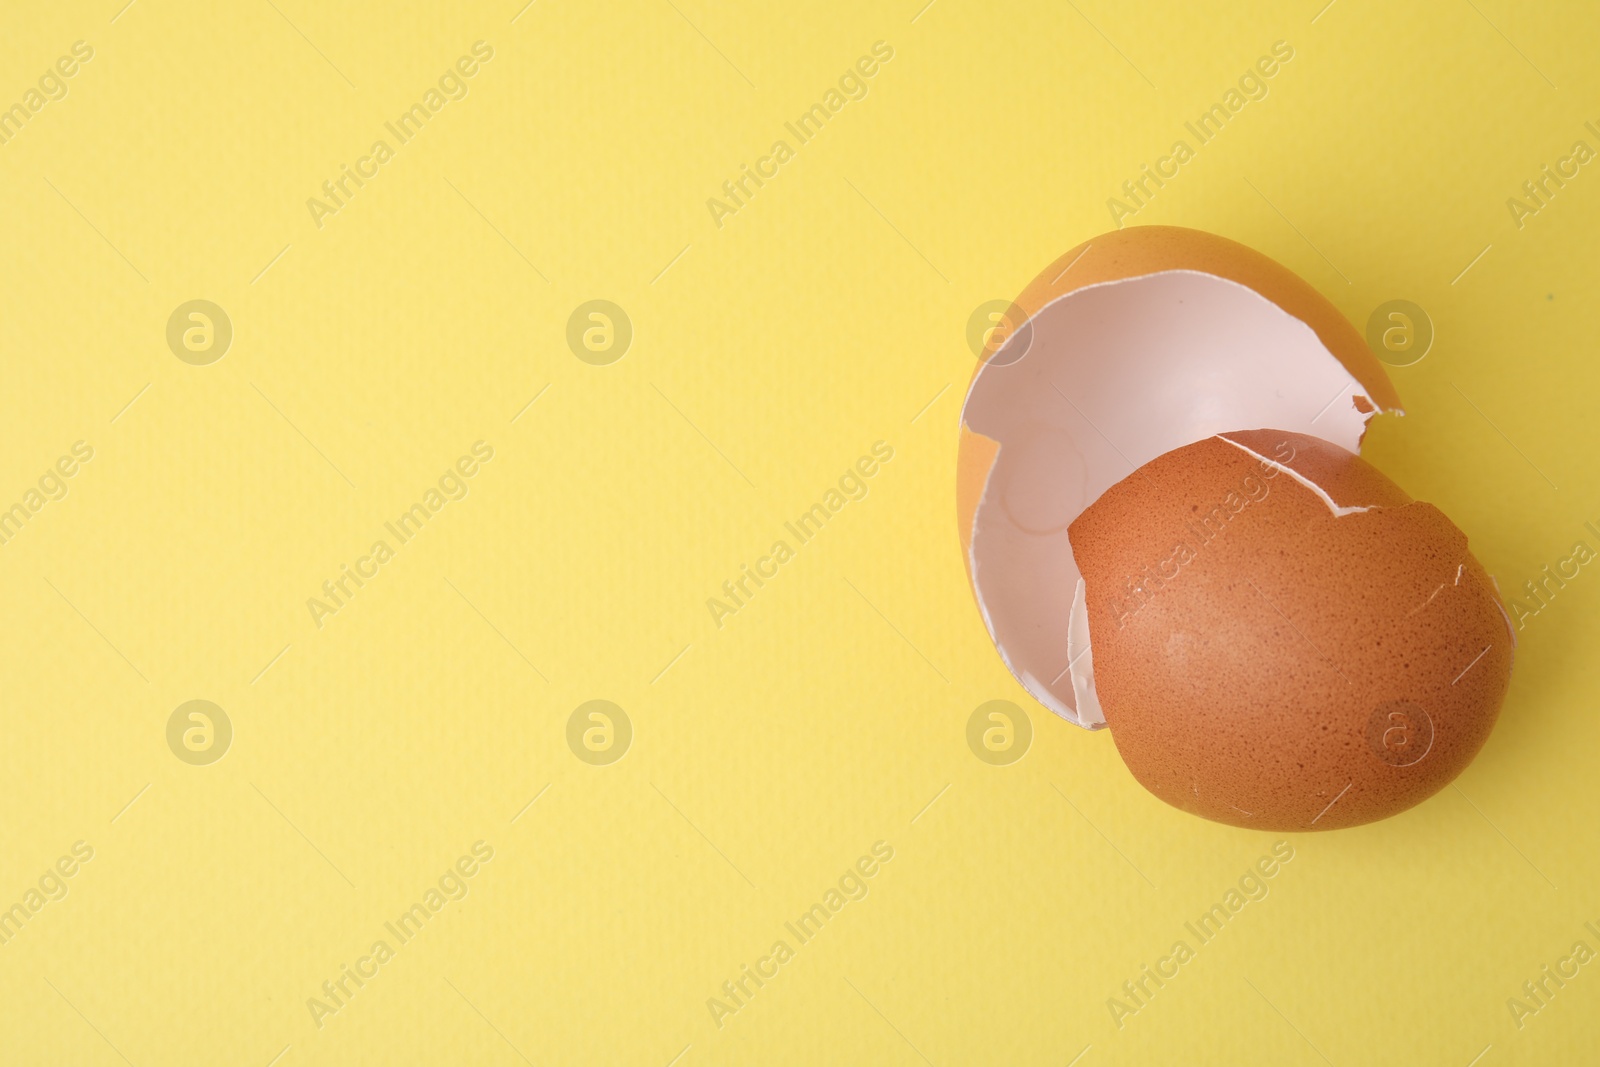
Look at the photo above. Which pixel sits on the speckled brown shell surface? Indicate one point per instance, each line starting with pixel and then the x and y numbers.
pixel 1267 662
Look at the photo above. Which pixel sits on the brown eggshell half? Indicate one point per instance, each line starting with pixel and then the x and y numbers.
pixel 1282 638
pixel 1135 343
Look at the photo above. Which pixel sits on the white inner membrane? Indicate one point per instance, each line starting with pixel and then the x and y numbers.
pixel 1102 381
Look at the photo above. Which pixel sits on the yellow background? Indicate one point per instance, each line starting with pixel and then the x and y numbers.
pixel 827 314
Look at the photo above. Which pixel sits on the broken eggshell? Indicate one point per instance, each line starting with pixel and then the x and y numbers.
pixel 1283 638
pixel 1128 350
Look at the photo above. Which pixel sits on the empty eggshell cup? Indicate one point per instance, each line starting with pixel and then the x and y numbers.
pixel 1170 532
